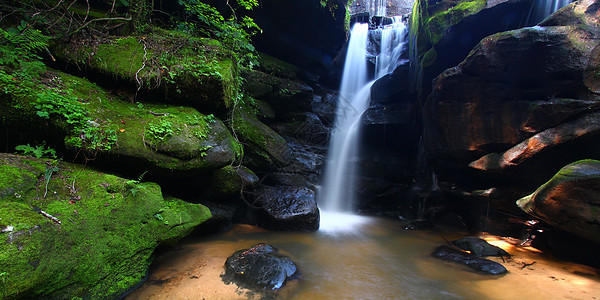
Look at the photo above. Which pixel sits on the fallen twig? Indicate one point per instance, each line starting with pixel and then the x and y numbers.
pixel 49 216
pixel 158 114
pixel 139 84
pixel 525 265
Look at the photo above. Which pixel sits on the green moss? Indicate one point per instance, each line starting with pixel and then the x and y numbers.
pixel 429 23
pixel 439 23
pixel 264 147
pixel 172 63
pixel 165 136
pixel 429 57
pixel 104 242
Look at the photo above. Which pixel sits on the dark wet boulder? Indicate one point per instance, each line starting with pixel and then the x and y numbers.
pixel 259 268
pixel 470 260
pixel 479 247
pixel 288 208
pixel 570 200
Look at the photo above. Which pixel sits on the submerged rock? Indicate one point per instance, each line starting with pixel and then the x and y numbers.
pixel 470 260
pixel 259 268
pixel 479 247
pixel 570 200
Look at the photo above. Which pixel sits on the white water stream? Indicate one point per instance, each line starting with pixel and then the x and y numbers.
pixel 337 194
pixel 543 8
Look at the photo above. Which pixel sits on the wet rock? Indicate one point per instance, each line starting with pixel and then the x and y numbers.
pixel 421 224
pixel 581 128
pixel 265 148
pixel 479 247
pixel 305 127
pixel 324 106
pixel 230 181
pixel 288 208
pixel 521 106
pixel 570 200
pixel 444 32
pixel 470 260
pixel 259 268
pixel 401 113
pixel 392 88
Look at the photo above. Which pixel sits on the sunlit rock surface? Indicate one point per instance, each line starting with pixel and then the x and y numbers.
pixel 529 92
pixel 570 200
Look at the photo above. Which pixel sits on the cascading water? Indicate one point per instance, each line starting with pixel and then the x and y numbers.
pixel 543 8
pixel 337 192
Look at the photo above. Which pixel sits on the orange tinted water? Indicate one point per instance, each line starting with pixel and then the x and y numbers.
pixel 376 260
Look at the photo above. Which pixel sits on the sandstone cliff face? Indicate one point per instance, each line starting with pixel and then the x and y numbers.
pixel 522 105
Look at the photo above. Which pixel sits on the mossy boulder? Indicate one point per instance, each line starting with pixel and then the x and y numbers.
pixel 276 84
pixel 442 33
pixel 145 136
pixel 67 231
pixel 169 63
pixel 570 200
pixel 230 181
pixel 264 148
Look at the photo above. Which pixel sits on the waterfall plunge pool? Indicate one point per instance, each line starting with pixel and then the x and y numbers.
pixel 375 259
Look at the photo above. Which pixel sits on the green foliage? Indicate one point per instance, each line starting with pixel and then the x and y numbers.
pixel 19 63
pixel 234 32
pixel 161 131
pixel 37 152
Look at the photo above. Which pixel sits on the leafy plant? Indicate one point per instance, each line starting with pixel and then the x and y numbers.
pixel 233 32
pixel 162 130
pixel 37 151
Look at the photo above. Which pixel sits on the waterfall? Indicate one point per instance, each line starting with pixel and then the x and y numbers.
pixel 338 191
pixel 543 8
pixel 376 8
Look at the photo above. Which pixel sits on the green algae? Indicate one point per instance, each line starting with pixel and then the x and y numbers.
pixel 102 247
pixel 429 23
pixel 180 66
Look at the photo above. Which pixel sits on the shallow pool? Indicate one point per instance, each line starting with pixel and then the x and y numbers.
pixel 371 259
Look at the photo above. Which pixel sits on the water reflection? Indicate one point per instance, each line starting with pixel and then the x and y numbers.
pixel 378 261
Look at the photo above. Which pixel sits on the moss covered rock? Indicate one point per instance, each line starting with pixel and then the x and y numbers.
pixel 67 231
pixel 442 33
pixel 570 200
pixel 149 136
pixel 264 148
pixel 230 181
pixel 193 70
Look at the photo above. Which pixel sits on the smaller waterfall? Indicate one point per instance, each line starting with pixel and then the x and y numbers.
pixel 376 8
pixel 393 42
pixel 338 191
pixel 543 8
